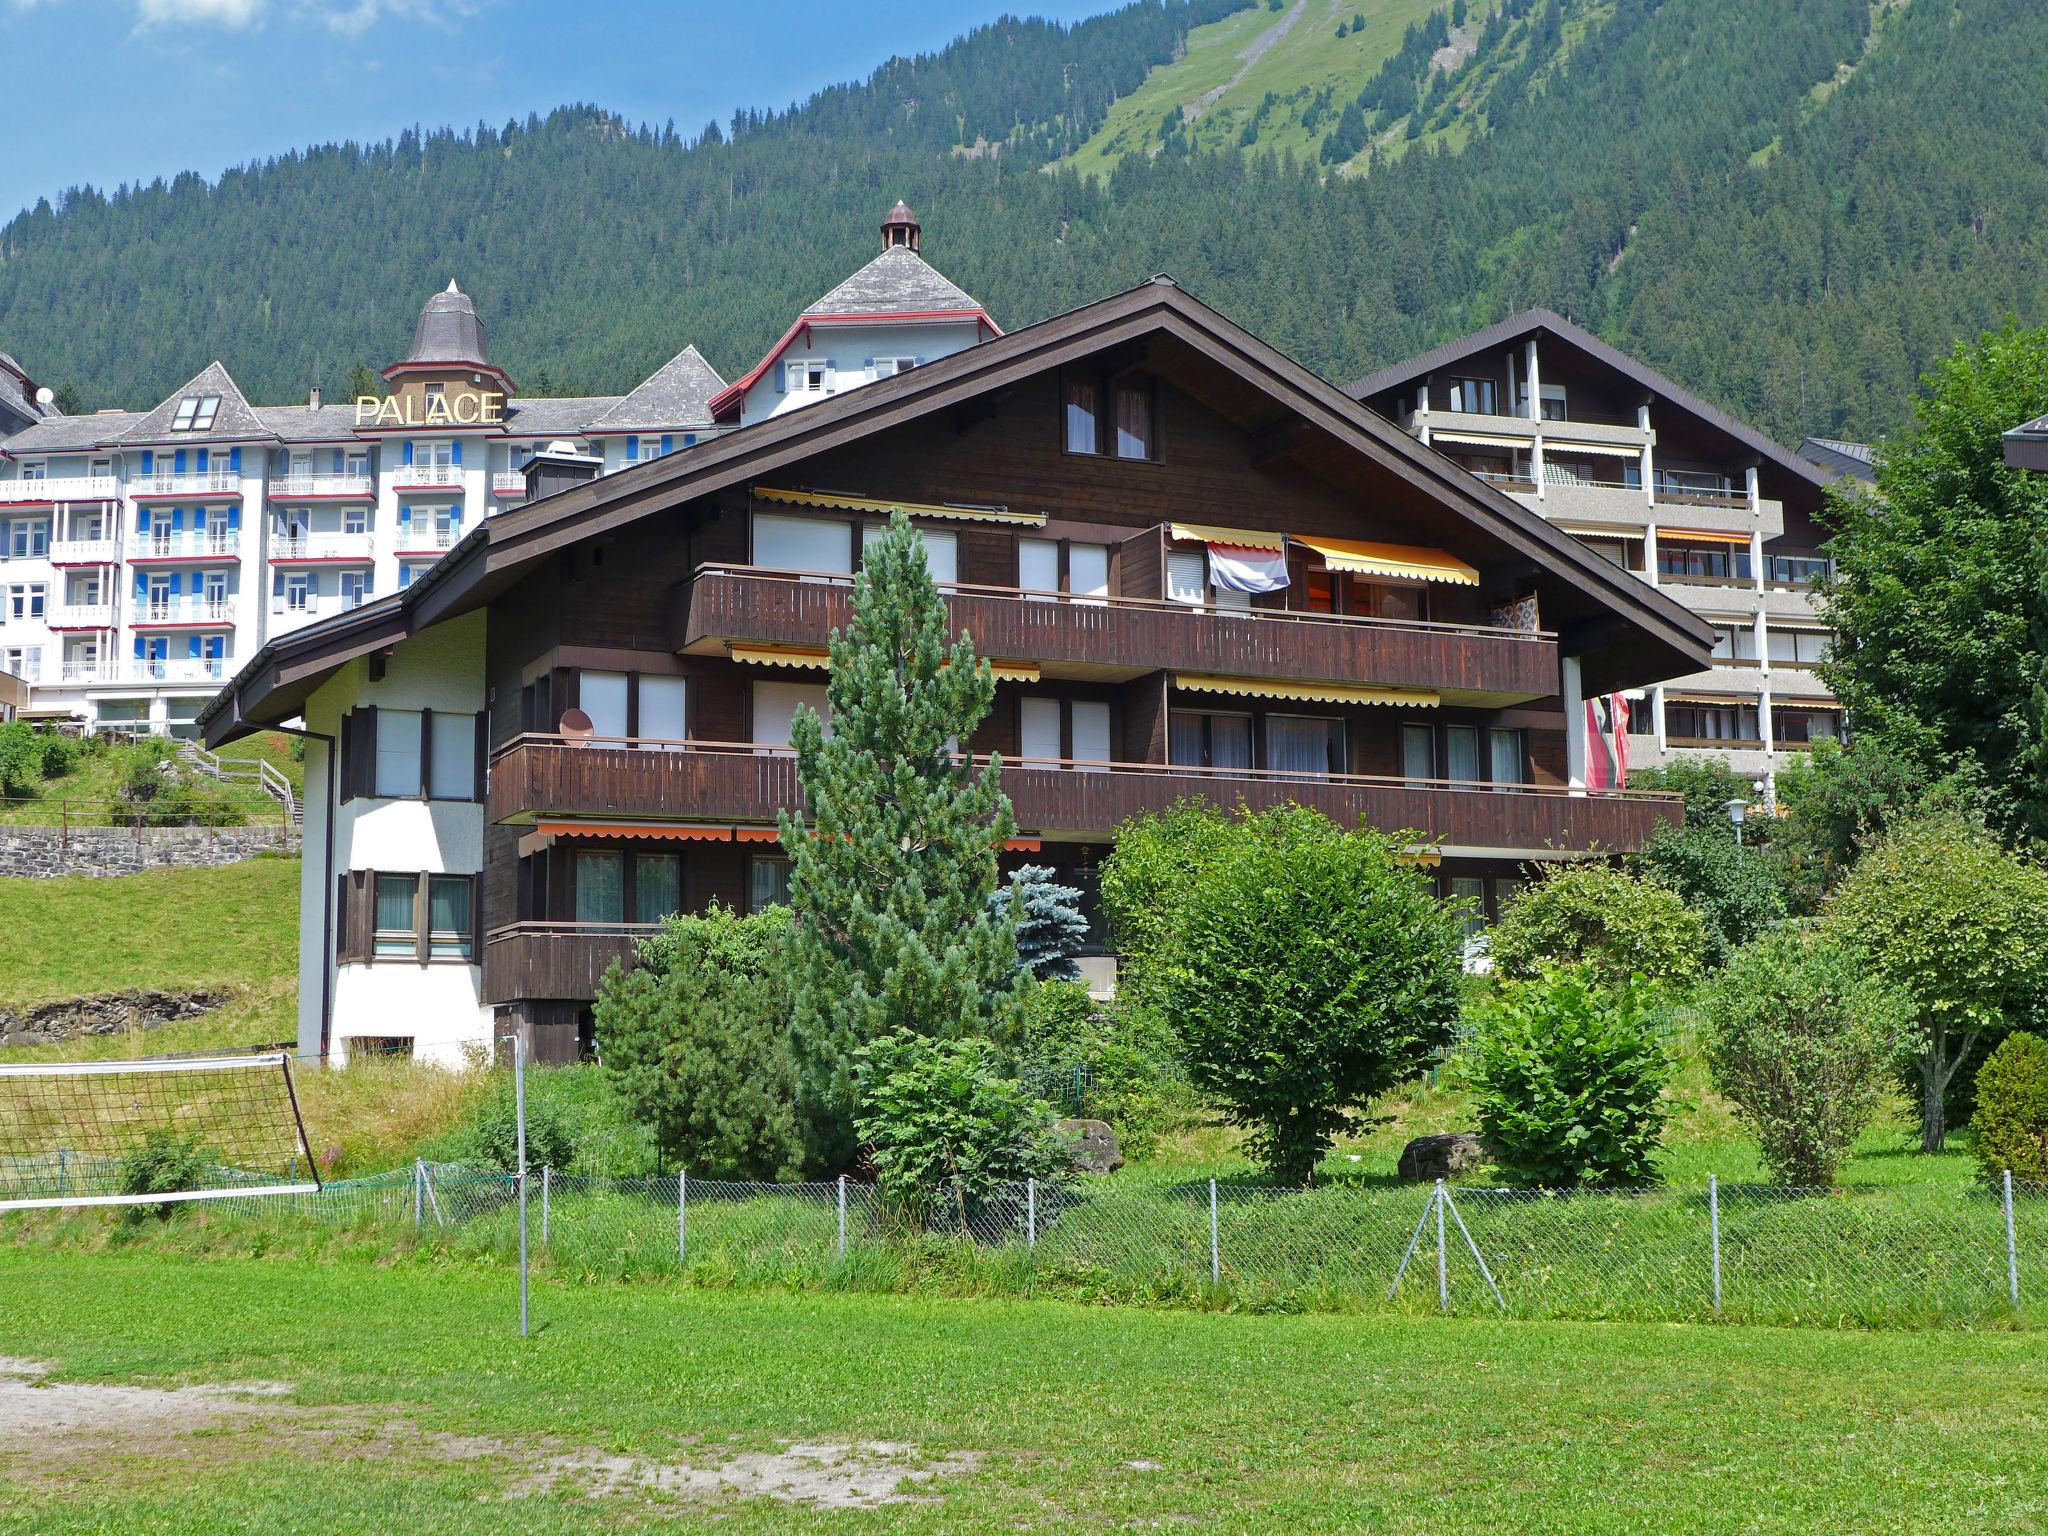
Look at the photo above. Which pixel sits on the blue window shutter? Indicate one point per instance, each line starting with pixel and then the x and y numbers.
pixel 141 590
pixel 277 583
pixel 199 518
pixel 369 581
pixel 668 444
pixel 632 450
pixel 138 647
pixel 869 364
pixel 404 577
pixel 782 378
pixel 202 461
pixel 177 583
pixel 689 439
pixel 177 519
pixel 337 461
pixel 404 517
pixel 455 453
pixel 235 460
pixel 178 462
pixel 917 363
pixel 142 519
pixel 192 647
pixel 234 518
pixel 148 462
pixel 407 446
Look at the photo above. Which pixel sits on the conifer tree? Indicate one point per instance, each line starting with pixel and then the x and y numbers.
pixel 894 859
pixel 1050 927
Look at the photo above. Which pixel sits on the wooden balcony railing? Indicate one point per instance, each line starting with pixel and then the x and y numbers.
pixel 556 960
pixel 726 603
pixel 715 782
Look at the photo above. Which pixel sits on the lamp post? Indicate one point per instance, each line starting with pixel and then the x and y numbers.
pixel 1737 809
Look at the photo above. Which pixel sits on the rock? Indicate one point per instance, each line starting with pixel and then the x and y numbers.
pixel 1094 1145
pixel 105 1013
pixel 1427 1158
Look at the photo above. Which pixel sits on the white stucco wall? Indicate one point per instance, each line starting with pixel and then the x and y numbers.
pixel 850 348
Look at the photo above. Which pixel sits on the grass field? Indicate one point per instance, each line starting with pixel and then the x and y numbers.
pixel 408 1405
pixel 92 788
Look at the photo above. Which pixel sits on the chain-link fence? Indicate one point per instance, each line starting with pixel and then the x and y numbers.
pixel 1896 1255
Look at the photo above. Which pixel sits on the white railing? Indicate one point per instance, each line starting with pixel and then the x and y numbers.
pixel 101 551
pixel 177 670
pixel 316 606
pixel 508 483
pixel 407 476
pixel 81 616
pixel 207 483
pixel 183 544
pixel 420 537
pixel 289 487
pixel 90 672
pixel 185 609
pixel 321 546
pixel 60 488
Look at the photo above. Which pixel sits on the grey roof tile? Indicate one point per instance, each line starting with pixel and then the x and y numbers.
pixel 60 434
pixel 677 394
pixel 234 421
pixel 448 330
pixel 565 416
pixel 896 281
pixel 307 423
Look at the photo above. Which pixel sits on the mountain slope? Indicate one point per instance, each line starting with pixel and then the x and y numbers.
pixel 1786 207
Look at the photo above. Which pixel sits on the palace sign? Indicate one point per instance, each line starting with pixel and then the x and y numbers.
pixel 478 410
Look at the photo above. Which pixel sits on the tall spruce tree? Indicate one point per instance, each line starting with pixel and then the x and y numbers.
pixel 1050 925
pixel 894 860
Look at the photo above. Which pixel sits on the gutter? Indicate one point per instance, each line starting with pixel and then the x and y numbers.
pixel 332 812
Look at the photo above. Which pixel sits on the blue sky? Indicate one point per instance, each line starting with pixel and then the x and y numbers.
pixel 106 91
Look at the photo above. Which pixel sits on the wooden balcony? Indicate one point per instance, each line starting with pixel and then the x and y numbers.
pixel 1115 638
pixel 712 783
pixel 546 959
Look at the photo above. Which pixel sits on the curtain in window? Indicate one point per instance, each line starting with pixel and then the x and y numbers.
pixel 1298 745
pixel 1418 751
pixel 600 887
pixel 448 899
pixel 395 925
pixel 1133 422
pixel 1080 413
pixel 767 884
pixel 1507 757
pixel 1184 739
pixel 1463 744
pixel 658 887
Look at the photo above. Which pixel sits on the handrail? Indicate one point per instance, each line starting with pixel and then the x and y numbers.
pixel 840 579
pixel 1082 765
pixel 567 928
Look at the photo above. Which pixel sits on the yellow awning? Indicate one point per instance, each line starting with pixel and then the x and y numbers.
pixel 1478 439
pixel 908 508
pixel 1242 538
pixel 1610 450
pixel 1709 535
pixel 1317 693
pixel 1414 561
pixel 782 656
pixel 1015 671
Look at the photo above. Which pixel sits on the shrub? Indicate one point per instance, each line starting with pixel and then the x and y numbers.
pixel 1593 914
pixel 696 1041
pixel 1731 886
pixel 1801 1037
pixel 1309 970
pixel 1707 785
pixel 162 1163
pixel 22 751
pixel 1159 860
pixel 2010 1128
pixel 1569 1078
pixel 1123 1055
pixel 941 1124
pixel 491 1140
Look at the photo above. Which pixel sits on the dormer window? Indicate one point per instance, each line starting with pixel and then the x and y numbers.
pixel 196 413
pixel 810 377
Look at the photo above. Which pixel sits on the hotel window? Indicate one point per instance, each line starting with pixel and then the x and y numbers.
pixel 355 587
pixel 157 595
pixel 1475 397
pixel 196 413
pixel 1302 744
pixel 1196 739
pixel 1461 754
pixel 1418 752
pixel 38 470
pixel 809 376
pixel 26 600
pixel 1795 727
pixel 1679 561
pixel 213 591
pixel 449 927
pixel 298 592
pixel 26 661
pixel 1798 570
pixel 358 464
pixel 355 520
pixel 1690 720
pixel 767 882
pixel 1510 756
pixel 1798 647
pixel 28 538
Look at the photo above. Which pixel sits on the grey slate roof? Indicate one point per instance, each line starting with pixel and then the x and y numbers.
pixel 306 424
pixel 897 280
pixel 2038 427
pixel 448 330
pixel 1856 460
pixel 17 391
pixel 567 416
pixel 677 394
pixel 235 421
pixel 69 434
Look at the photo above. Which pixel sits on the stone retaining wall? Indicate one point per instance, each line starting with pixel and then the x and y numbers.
pixel 46 852
pixel 103 1013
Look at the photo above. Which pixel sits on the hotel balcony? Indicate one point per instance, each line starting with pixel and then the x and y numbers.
pixel 208 485
pixel 292 488
pixel 425 477
pixel 58 488
pixel 508 483
pixel 323 549
pixel 81 616
pixel 721 789
pixel 179 670
pixel 186 612
pixel 166 545
pixel 1112 638
pixel 421 540
pixel 102 551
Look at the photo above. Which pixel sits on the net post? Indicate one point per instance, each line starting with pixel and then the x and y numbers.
pixel 63 1172
pixel 1714 1227
pixel 1031 1213
pixel 683 1216
pixel 1443 1276
pixel 546 1177
pixel 1215 1244
pixel 2012 1247
pixel 519 1113
pixel 842 1216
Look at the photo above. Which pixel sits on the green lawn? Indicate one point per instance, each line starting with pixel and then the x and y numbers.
pixel 91 790
pixel 411 1406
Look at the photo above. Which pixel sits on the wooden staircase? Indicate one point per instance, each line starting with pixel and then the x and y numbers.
pixel 230 769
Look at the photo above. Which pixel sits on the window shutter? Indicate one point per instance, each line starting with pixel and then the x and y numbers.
pixel 336 461
pixel 148 462
pixel 138 647
pixel 455 453
pixel 426 787
pixel 178 462
pixel 632 450
pixel 917 362
pixel 202 461
pixel 142 519
pixel 689 439
pixel 483 746
pixel 422 920
pixel 277 591
pixel 192 647
pixel 234 518
pixel 342 926
pixel 406 446
pixel 782 378
pixel 404 518
pixel 177 584
pixel 235 460
pixel 476 917
pixel 668 444
pixel 141 585
pixel 869 365
pixel 177 519
pixel 404 577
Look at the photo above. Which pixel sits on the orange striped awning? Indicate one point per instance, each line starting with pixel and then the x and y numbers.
pixel 652 831
pixel 1021 845
pixel 1710 535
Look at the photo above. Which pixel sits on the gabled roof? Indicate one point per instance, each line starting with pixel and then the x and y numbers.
pixel 18 391
pixel 67 434
pixel 309 423
pixel 1531 321
pixel 1628 631
pixel 677 394
pixel 2026 445
pixel 234 421
pixel 899 281
pixel 1840 458
pixel 556 416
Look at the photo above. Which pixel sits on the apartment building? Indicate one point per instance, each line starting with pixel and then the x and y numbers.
pixel 1707 510
pixel 1196 568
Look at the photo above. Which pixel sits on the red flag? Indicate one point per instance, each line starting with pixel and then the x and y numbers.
pixel 1620 705
pixel 1596 748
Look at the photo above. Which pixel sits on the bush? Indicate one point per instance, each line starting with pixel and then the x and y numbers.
pixel 1308 969
pixel 1159 860
pixel 1731 886
pixel 1123 1054
pixel 2011 1124
pixel 22 752
pixel 163 1163
pixel 491 1140
pixel 1593 914
pixel 1801 1037
pixel 1707 785
pixel 1569 1079
pixel 940 1123
pixel 696 1041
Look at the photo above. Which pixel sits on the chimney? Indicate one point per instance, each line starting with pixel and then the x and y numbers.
pixel 313 398
pixel 557 467
pixel 901 228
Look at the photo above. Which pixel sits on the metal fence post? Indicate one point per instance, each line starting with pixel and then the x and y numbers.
pixel 1443 1274
pixel 519 1111
pixel 2012 1247
pixel 1215 1247
pixel 683 1216
pixel 419 1189
pixel 546 1178
pixel 1031 1213
pixel 842 1215
pixel 1714 1227
pixel 63 1172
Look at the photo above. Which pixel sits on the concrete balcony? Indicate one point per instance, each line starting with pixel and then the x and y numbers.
pixel 508 482
pixel 425 477
pixel 208 485
pixel 423 540
pixel 180 670
pixel 323 549
pixel 50 490
pixel 164 546
pixel 184 612
pixel 81 616
pixel 1782 602
pixel 100 551
pixel 294 488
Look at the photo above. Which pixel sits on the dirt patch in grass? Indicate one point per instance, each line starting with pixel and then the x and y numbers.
pixel 54 1434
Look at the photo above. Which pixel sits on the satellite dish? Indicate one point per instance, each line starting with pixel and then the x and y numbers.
pixel 576 728
pixel 46 396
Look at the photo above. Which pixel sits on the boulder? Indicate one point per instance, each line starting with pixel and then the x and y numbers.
pixel 1094 1145
pixel 1428 1158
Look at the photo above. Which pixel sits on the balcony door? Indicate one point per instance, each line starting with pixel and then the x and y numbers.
pixel 775 707
pixel 813 545
pixel 1045 726
pixel 1305 746
pixel 1200 739
pixel 941 551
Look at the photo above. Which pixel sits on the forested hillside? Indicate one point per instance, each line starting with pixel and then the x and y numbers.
pixel 1791 208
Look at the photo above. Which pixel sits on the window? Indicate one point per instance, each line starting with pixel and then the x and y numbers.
pixel 941 550
pixel 1080 416
pixel 767 883
pixel 378 1045
pixel 1480 397
pixel 812 544
pixel 1736 643
pixel 1306 745
pixel 602 696
pixel 449 932
pixel 1794 727
pixel 1087 567
pixel 397 922
pixel 600 887
pixel 1461 753
pixel 1509 757
pixel 809 376
pixel 38 470
pixel 298 592
pixel 889 367
pixel 24 661
pixel 1798 570
pixel 26 600
pixel 775 707
pixel 158 594
pixel 1678 561
pixel 1039 730
pixel 1117 418
pixel 1044 724
pixel 1195 739
pixel 28 538
pixel 355 586
pixel 1090 725
pixel 1038 565
pixel 1472 889
pixel 214 592
pixel 1418 752
pixel 657 886
pixel 1798 647
pixel 1187 581
pixel 1088 570
pixel 1690 720
pixel 196 413
pixel 662 713
pixel 451 756
pixel 1134 421
pixel 398 753
pixel 1552 407
pixel 355 520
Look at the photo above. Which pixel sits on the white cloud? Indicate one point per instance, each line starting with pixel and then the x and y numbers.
pixel 234 14
pixel 346 17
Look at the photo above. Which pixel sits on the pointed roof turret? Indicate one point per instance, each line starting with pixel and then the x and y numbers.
pixel 211 406
pixel 449 334
pixel 900 227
